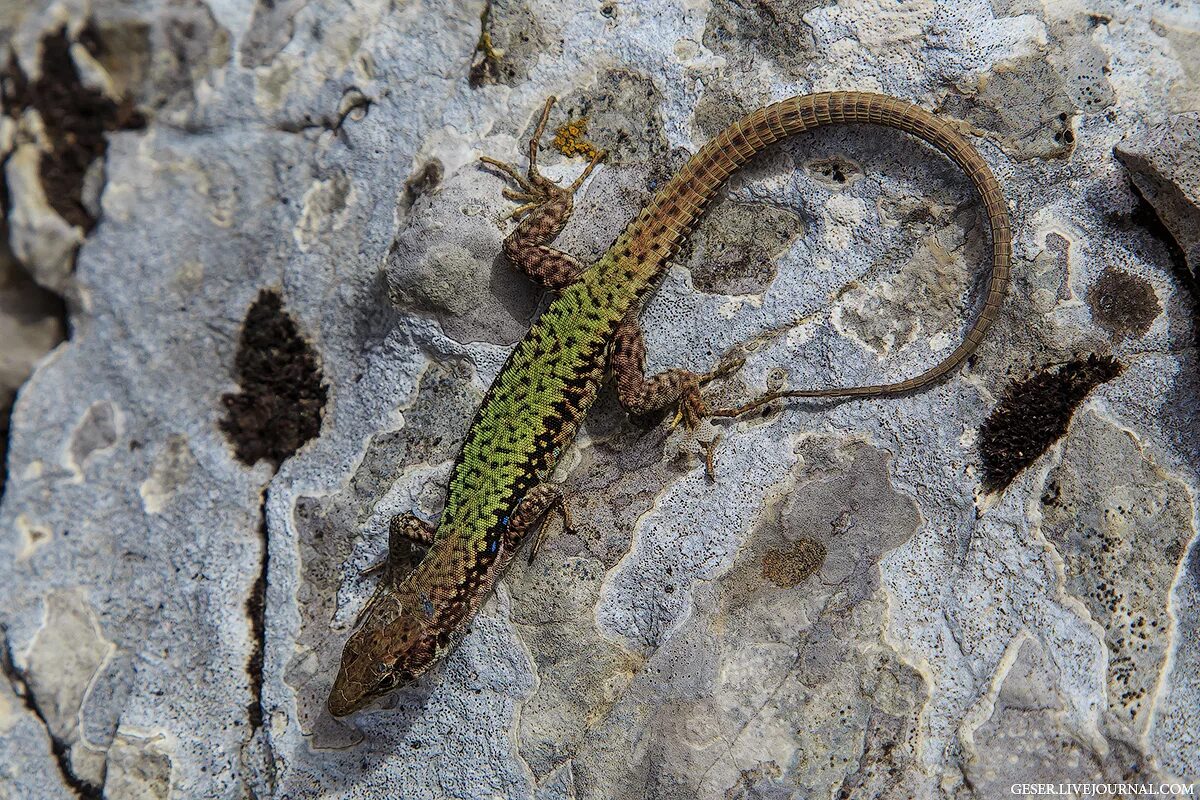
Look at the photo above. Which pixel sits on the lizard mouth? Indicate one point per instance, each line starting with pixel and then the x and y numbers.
pixel 347 695
pixel 339 705
pixel 343 701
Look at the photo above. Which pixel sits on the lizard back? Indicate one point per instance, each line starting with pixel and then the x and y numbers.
pixel 534 406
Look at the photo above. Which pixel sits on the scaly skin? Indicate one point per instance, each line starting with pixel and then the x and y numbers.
pixel 498 489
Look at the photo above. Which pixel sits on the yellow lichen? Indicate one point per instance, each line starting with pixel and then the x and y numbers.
pixel 568 139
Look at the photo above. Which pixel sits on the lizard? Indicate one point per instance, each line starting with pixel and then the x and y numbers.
pixel 500 488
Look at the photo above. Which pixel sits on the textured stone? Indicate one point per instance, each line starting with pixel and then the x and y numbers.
pixel 1119 556
pixel 1164 164
pixel 846 610
pixel 30 325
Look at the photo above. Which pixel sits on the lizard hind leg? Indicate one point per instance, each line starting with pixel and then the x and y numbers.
pixel 410 528
pixel 640 394
pixel 544 211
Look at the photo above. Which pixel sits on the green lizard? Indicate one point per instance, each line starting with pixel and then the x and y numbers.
pixel 499 488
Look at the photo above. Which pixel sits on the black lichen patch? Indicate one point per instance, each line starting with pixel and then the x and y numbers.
pixel 256 613
pixel 282 389
pixel 1034 414
pixel 836 172
pixel 76 118
pixel 1123 304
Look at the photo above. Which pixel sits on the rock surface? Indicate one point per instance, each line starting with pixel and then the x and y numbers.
pixel 282 268
pixel 1164 165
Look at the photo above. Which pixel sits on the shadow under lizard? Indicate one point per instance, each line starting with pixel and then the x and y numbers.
pixel 500 486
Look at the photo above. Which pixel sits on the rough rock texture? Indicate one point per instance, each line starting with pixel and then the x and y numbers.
pixel 281 267
pixel 30 325
pixel 1164 165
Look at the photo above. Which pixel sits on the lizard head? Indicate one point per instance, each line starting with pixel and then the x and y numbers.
pixel 391 646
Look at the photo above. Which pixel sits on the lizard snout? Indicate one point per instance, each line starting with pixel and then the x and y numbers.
pixel 386 652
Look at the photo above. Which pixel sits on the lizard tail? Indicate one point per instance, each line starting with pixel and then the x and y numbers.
pixel 657 232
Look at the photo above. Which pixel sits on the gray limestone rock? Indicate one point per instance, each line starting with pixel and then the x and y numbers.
pixel 280 264
pixel 1164 165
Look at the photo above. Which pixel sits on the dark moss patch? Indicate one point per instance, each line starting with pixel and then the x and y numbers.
pixel 1034 413
pixel 1123 304
pixel 282 389
pixel 75 117
pixel 421 182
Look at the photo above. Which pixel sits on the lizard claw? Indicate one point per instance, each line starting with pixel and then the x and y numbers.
pixel 536 188
pixel 710 450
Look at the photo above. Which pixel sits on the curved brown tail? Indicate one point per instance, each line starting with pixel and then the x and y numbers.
pixel 675 209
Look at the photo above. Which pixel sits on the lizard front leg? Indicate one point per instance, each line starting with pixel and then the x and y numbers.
pixel 404 531
pixel 547 207
pixel 532 509
pixel 408 527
